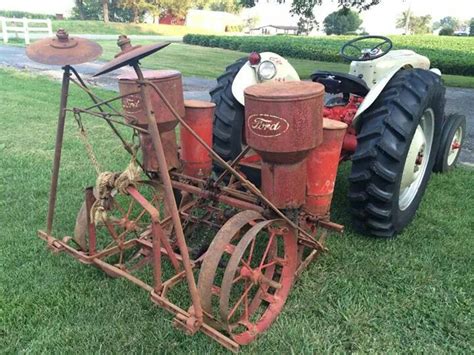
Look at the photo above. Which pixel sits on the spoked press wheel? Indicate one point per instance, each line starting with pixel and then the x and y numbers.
pixel 397 143
pixel 250 270
pixel 125 220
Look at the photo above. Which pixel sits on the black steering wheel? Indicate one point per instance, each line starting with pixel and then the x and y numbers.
pixel 366 54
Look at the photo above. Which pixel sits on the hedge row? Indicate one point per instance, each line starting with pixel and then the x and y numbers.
pixel 452 55
pixel 21 14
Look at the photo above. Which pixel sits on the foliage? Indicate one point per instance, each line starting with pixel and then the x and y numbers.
pixel 304 9
pixel 448 22
pixel 138 7
pixel 416 24
pixel 93 10
pixel 24 14
pixel 247 3
pixel 251 21
pixel 446 31
pixel 342 21
pixel 454 55
pixel 232 6
pixel 194 61
pixel 177 8
pixel 307 24
pixel 471 27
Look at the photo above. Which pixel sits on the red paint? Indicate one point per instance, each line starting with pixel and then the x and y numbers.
pixel 283 123
pixel 322 164
pixel 254 58
pixel 169 81
pixel 346 114
pixel 170 148
pixel 196 160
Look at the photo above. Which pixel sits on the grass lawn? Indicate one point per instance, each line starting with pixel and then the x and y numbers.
pixel 411 294
pixel 211 62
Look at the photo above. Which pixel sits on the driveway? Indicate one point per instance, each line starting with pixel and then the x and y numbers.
pixel 457 99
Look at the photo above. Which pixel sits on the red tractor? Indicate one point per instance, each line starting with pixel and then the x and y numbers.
pixel 398 133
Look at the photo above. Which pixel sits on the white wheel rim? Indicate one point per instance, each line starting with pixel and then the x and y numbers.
pixel 417 160
pixel 454 146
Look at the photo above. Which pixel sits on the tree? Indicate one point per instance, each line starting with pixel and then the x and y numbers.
pixel 87 10
pixel 471 27
pixel 138 7
pixel 247 3
pixel 94 10
pixel 105 10
pixel 232 6
pixel 78 10
pixel 414 24
pixel 448 22
pixel 446 31
pixel 341 22
pixel 304 8
pixel 251 21
pixel 176 8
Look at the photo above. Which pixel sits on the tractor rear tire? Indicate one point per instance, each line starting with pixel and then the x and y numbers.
pixel 382 203
pixel 229 119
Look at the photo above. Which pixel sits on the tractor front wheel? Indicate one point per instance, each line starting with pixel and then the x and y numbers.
pixel 397 144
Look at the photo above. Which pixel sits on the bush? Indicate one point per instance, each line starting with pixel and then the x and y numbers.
pixel 452 55
pixel 447 31
pixel 21 14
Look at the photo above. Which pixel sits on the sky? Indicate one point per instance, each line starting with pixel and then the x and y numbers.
pixel 380 19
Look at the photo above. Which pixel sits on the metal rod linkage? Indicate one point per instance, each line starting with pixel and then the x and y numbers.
pixel 169 196
pixel 58 148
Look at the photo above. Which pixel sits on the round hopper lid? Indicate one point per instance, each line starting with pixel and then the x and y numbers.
pixel 63 50
pixel 283 91
pixel 129 54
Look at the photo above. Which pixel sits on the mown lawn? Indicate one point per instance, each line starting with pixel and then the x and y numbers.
pixel 206 62
pixel 210 62
pixel 412 294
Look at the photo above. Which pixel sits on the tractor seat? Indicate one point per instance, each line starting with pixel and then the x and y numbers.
pixel 337 83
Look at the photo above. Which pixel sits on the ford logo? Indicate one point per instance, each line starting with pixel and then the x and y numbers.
pixel 132 103
pixel 264 125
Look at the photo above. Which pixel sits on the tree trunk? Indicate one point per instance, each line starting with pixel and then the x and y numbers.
pixel 136 15
pixel 80 6
pixel 105 8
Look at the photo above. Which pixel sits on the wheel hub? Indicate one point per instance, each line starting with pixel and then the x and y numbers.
pixel 455 145
pixel 417 160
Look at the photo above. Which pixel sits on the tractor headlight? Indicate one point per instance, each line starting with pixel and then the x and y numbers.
pixel 266 70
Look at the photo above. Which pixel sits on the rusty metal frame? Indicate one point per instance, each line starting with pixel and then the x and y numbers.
pixel 193 319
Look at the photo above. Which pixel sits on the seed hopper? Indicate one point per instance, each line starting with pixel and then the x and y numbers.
pixel 234 249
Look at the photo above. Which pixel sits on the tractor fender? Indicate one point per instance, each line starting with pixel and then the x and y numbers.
pixel 247 76
pixel 373 94
pixel 376 90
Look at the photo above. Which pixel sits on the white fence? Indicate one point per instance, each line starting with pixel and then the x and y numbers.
pixel 23 25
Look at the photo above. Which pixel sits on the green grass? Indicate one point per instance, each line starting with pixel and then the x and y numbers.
pixel 452 55
pixel 99 27
pixel 411 294
pixel 211 62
